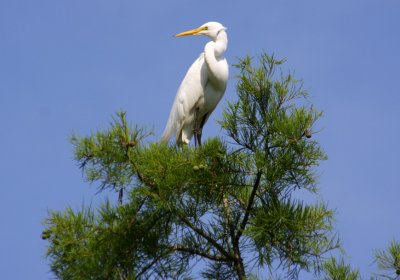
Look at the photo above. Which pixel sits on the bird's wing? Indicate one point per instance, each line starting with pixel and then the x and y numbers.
pixel 189 93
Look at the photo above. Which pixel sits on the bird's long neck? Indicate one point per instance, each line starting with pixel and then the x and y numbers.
pixel 220 44
pixel 214 56
pixel 215 49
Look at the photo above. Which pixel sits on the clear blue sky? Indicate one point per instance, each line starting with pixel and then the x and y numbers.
pixel 68 66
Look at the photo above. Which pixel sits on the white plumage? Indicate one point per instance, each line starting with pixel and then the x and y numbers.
pixel 201 89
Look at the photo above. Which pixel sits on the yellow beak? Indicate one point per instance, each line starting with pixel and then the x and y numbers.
pixel 191 32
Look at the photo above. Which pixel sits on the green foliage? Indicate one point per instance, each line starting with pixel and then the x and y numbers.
pixel 334 270
pixel 290 231
pixel 117 243
pixel 222 203
pixel 388 261
pixel 104 155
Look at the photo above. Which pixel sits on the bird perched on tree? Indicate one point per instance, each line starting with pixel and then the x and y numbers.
pixel 201 89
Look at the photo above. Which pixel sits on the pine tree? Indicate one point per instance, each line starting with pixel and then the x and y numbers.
pixel 232 204
pixel 388 261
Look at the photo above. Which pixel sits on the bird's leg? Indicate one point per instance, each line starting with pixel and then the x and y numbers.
pixel 198 136
pixel 195 137
pixel 197 131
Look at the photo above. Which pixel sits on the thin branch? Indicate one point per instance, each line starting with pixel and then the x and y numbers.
pixel 248 209
pixel 227 215
pixel 200 253
pixel 201 232
pixel 133 219
pixel 147 267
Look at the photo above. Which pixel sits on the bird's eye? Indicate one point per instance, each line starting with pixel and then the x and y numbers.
pixel 205 28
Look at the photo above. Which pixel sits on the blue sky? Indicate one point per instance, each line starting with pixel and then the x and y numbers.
pixel 67 66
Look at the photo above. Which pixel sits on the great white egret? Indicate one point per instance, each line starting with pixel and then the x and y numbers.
pixel 201 89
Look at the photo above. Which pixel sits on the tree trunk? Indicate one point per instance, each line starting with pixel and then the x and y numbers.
pixel 238 264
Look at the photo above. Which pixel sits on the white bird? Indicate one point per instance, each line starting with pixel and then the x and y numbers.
pixel 201 89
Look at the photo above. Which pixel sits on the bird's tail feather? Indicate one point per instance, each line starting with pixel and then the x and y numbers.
pixel 165 138
pixel 169 129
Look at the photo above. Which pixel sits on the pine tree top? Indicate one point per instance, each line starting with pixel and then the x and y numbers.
pixel 231 203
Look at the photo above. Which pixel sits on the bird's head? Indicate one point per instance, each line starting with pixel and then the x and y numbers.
pixel 210 29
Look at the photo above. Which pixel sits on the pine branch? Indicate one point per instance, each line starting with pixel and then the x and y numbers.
pixel 248 209
pixel 228 218
pixel 147 267
pixel 202 233
pixel 181 248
